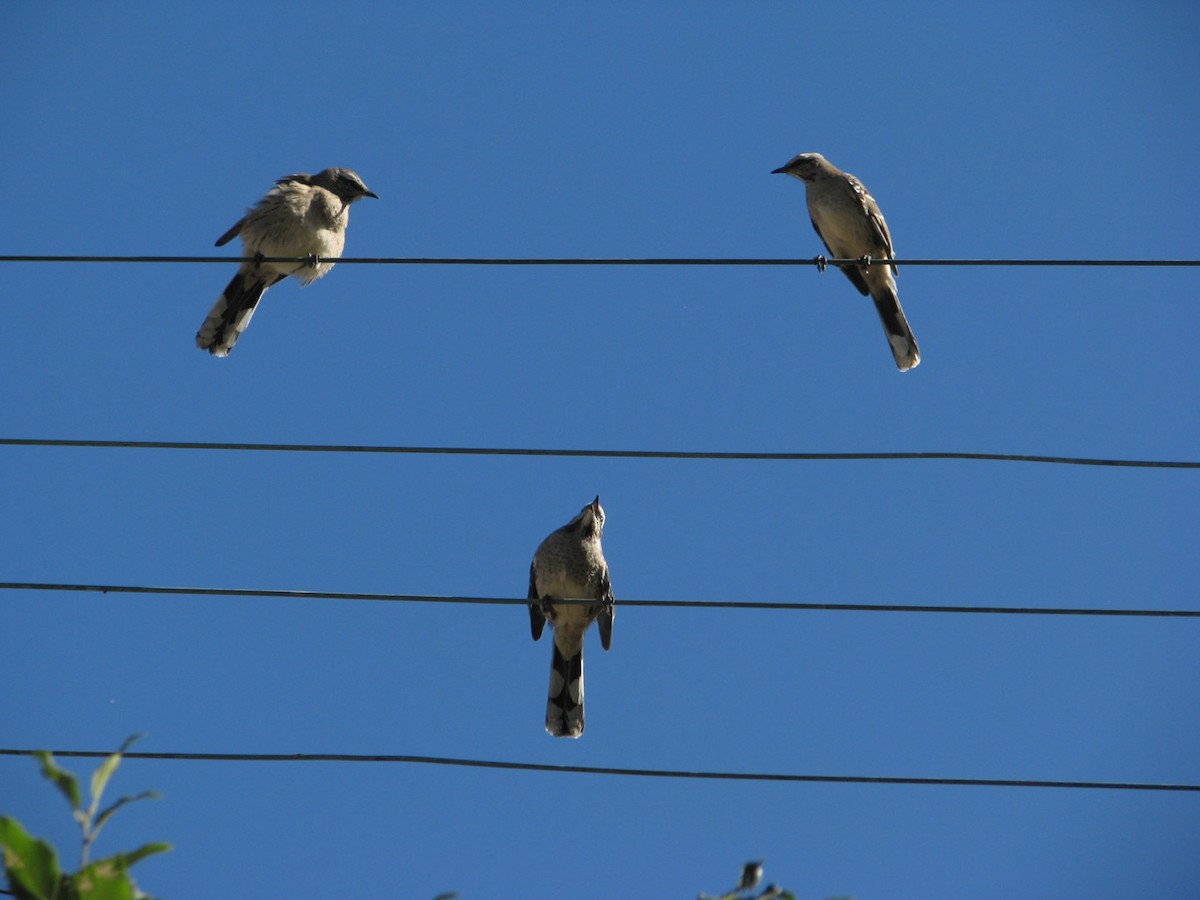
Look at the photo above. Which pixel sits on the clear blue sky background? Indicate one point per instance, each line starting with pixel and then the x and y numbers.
pixel 984 130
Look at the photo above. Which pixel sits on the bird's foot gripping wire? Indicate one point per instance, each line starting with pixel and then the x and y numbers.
pixel 865 260
pixel 258 258
pixel 312 261
pixel 821 262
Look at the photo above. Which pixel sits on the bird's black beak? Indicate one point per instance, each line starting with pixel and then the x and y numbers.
pixel 782 170
pixel 596 504
pixel 370 194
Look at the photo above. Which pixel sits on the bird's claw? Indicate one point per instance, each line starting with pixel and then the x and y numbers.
pixel 313 261
pixel 865 261
pixel 821 261
pixel 258 258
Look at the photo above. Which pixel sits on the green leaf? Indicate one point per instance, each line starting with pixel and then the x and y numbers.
pixel 130 741
pixel 30 864
pixel 100 777
pixel 65 781
pixel 107 814
pixel 105 769
pixel 105 879
pixel 142 852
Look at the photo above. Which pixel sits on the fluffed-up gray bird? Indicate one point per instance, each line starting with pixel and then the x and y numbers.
pixel 302 216
pixel 851 226
pixel 569 565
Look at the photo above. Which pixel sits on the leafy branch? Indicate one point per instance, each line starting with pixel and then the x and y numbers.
pixel 31 864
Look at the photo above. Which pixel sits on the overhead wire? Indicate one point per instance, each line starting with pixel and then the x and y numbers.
pixel 622 771
pixel 786 456
pixel 667 604
pixel 818 261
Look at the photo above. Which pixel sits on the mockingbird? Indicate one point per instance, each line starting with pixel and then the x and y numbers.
pixel 569 565
pixel 303 215
pixel 851 226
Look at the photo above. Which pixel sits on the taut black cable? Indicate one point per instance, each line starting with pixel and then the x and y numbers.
pixel 818 261
pixel 678 604
pixel 624 772
pixel 604 454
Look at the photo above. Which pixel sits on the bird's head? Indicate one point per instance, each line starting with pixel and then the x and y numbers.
pixel 805 166
pixel 590 520
pixel 345 183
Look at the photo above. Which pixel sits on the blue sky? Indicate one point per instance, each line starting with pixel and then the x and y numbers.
pixel 621 130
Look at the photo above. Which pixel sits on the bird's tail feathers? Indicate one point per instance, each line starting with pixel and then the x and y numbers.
pixel 231 313
pixel 895 325
pixel 564 707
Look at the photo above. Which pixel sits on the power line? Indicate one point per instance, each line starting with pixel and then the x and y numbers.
pixel 676 604
pixel 619 771
pixel 602 454
pixel 818 261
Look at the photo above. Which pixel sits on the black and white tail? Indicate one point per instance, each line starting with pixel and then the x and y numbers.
pixel 231 313
pixel 564 707
pixel 899 335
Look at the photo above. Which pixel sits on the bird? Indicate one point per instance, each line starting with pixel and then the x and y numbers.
pixel 849 222
pixel 302 216
pixel 752 873
pixel 569 565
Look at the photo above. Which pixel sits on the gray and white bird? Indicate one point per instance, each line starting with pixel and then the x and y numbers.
pixel 851 226
pixel 302 216
pixel 569 565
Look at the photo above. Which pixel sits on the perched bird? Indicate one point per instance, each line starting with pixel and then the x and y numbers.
pixel 752 873
pixel 569 565
pixel 851 226
pixel 302 216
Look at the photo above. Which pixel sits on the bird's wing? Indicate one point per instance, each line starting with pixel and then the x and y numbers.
pixel 231 233
pixel 537 619
pixel 607 613
pixel 852 272
pixel 875 216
